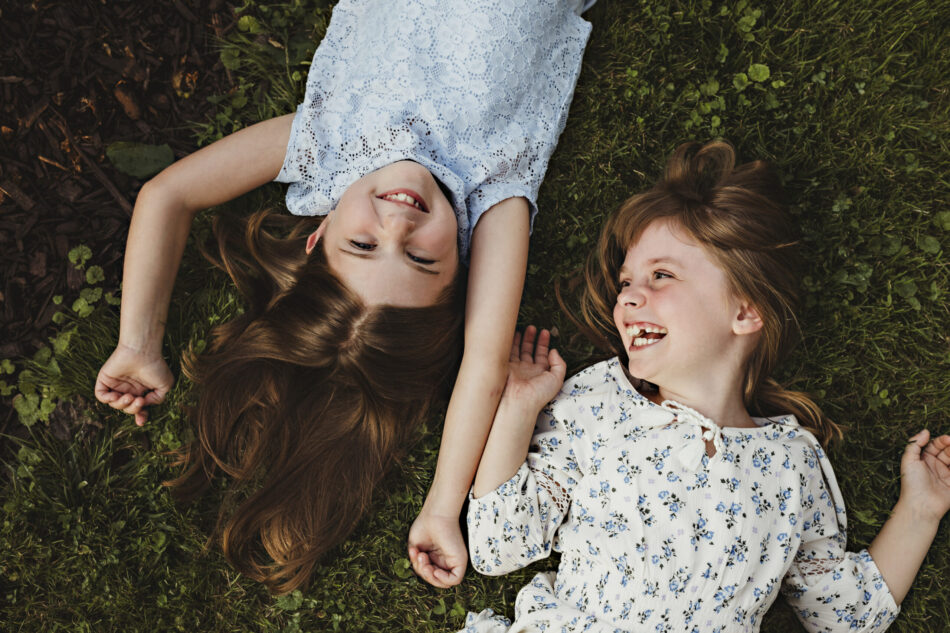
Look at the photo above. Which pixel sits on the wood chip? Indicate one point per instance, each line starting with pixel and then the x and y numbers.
pixel 38 264
pixel 127 100
pixel 27 121
pixel 24 201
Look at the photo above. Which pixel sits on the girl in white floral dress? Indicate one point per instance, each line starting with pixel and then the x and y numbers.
pixel 688 503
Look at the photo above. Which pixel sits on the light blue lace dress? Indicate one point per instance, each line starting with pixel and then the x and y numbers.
pixel 656 536
pixel 477 91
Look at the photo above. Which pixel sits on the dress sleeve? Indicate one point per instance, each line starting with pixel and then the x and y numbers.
pixel 830 588
pixel 515 524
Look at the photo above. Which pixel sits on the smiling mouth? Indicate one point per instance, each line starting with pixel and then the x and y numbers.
pixel 405 196
pixel 644 336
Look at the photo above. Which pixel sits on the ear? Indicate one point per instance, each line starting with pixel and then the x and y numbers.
pixel 748 320
pixel 314 237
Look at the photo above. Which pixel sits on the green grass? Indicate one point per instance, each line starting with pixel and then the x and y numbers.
pixel 854 114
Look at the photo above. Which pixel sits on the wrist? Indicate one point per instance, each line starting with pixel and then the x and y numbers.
pixel 518 411
pixel 444 500
pixel 915 516
pixel 141 345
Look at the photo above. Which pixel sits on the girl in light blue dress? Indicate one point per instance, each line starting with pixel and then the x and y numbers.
pixel 424 135
pixel 687 500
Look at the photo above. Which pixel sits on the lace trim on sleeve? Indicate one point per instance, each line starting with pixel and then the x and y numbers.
pixel 817 566
pixel 556 491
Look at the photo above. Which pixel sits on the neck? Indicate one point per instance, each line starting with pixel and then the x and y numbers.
pixel 725 407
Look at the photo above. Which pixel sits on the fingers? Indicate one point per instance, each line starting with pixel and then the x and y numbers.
pixel 449 578
pixel 532 346
pixel 541 348
pixel 515 347
pixel 155 396
pixel 130 402
pixel 939 449
pixel 426 570
pixel 527 344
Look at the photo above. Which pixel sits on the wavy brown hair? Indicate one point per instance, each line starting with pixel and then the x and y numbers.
pixel 736 213
pixel 305 399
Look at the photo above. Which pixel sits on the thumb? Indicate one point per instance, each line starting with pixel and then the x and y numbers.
pixel 156 395
pixel 914 446
pixel 558 366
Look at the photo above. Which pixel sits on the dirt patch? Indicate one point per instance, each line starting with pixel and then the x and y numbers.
pixel 76 76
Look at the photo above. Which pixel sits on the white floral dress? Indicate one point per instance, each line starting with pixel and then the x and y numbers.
pixel 656 536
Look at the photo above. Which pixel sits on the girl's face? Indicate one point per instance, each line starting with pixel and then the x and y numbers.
pixel 680 322
pixel 393 237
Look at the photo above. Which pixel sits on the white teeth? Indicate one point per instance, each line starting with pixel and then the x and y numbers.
pixel 634 331
pixel 402 197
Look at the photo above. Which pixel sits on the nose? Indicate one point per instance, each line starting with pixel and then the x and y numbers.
pixel 631 296
pixel 397 223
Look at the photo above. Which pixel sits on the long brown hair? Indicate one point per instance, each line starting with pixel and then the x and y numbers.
pixel 736 213
pixel 306 399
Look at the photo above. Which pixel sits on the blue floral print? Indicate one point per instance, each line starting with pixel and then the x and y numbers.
pixel 656 535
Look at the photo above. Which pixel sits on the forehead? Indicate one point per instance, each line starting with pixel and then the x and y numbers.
pixel 665 241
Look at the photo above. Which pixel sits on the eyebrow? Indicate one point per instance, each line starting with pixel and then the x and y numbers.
pixel 652 262
pixel 664 260
pixel 415 265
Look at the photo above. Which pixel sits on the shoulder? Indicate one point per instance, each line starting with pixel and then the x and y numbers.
pixel 600 378
pixel 598 390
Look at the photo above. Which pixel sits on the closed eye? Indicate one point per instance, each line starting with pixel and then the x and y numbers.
pixel 420 260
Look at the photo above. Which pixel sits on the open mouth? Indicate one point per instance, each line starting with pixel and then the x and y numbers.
pixel 645 335
pixel 405 196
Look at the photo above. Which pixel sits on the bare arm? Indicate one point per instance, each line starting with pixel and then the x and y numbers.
pixel 161 220
pixel 496 278
pixel 900 546
pixel 535 374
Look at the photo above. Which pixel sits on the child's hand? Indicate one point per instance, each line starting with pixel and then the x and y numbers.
pixel 925 476
pixel 436 549
pixel 131 381
pixel 535 373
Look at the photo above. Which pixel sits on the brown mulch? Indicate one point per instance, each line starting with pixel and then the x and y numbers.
pixel 75 76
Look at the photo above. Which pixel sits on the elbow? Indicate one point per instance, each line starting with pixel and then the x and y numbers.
pixel 161 193
pixel 485 370
pixel 155 192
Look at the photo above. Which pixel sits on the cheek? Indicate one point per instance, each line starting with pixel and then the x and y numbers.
pixel 618 319
pixel 441 238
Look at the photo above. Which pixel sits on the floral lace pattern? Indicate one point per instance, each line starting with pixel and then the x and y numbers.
pixel 476 91
pixel 657 537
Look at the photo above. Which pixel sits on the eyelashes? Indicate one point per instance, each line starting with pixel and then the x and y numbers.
pixel 364 246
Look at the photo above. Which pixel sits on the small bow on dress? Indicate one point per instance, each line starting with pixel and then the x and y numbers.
pixel 690 455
